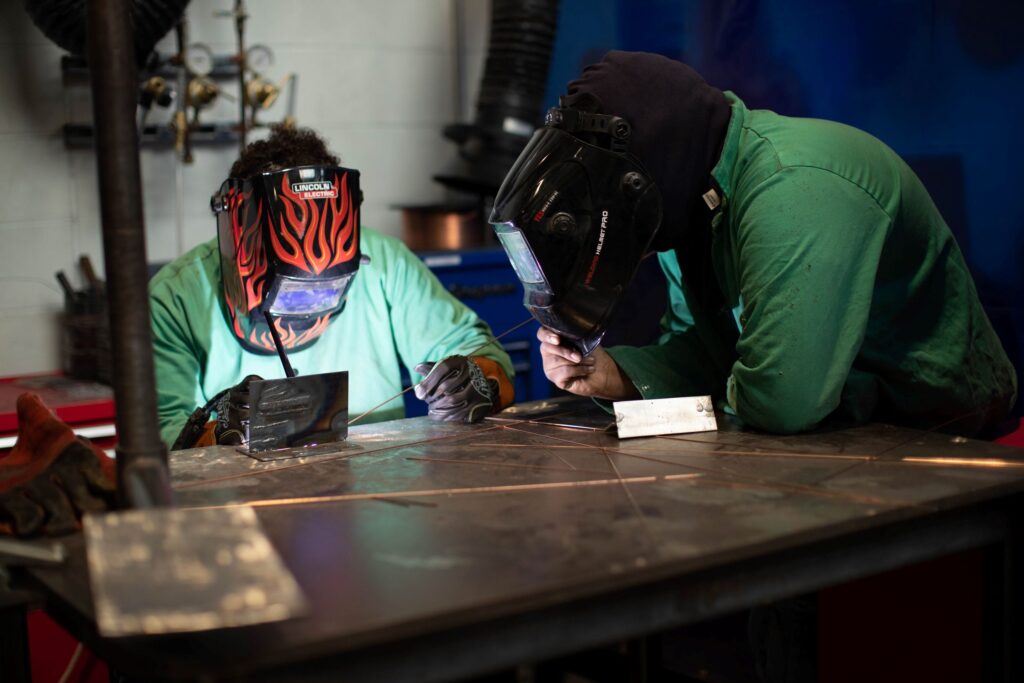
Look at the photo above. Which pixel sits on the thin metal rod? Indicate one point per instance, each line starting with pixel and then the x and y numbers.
pixel 143 479
pixel 753 453
pixel 288 372
pixel 904 442
pixel 652 541
pixel 478 349
pixel 531 445
pixel 469 490
pixel 625 489
pixel 485 463
pixel 988 463
pixel 243 63
pixel 935 428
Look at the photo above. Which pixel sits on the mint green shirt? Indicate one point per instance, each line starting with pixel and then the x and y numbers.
pixel 848 291
pixel 396 313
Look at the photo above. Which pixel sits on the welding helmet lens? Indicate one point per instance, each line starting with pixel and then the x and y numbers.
pixel 575 220
pixel 524 263
pixel 309 297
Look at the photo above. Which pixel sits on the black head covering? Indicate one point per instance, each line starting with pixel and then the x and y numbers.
pixel 679 124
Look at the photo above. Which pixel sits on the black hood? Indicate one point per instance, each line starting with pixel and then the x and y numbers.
pixel 679 124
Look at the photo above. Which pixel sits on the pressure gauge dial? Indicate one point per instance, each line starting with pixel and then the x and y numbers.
pixel 198 59
pixel 259 58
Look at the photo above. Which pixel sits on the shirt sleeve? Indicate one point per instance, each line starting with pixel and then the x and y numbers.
pixel 429 324
pixel 808 244
pixel 176 365
pixel 679 364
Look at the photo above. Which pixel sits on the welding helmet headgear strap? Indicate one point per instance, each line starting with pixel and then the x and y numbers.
pixel 576 219
pixel 576 121
pixel 289 244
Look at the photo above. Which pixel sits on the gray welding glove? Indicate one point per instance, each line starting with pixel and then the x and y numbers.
pixel 233 414
pixel 456 390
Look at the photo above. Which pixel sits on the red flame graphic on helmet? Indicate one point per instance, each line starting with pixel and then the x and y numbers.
pixel 314 235
pixel 290 338
pixel 249 255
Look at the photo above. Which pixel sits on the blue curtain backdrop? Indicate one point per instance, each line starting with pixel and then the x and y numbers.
pixel 939 81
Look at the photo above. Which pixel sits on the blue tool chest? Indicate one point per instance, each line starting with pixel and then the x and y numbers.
pixel 484 280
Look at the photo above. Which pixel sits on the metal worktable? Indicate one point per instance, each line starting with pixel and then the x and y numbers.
pixel 431 551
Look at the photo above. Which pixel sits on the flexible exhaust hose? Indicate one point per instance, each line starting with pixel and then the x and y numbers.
pixel 511 95
pixel 63 22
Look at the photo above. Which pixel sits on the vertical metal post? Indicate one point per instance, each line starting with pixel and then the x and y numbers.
pixel 143 479
pixel 243 61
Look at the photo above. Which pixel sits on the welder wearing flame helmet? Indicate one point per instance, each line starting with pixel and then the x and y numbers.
pixel 342 297
pixel 809 272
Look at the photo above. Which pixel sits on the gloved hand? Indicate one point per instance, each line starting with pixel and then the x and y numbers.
pixel 51 476
pixel 233 414
pixel 456 390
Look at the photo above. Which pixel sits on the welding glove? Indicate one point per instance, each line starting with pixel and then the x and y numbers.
pixel 51 476
pixel 461 389
pixel 233 414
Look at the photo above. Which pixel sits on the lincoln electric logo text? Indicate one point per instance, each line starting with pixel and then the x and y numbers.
pixel 320 189
pixel 600 246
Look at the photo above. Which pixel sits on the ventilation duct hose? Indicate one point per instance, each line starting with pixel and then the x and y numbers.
pixel 63 22
pixel 508 108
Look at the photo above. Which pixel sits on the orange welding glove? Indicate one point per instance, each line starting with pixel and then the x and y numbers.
pixel 51 476
pixel 461 389
pixel 497 378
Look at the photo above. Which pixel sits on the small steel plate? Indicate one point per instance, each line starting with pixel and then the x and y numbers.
pixel 298 411
pixel 181 570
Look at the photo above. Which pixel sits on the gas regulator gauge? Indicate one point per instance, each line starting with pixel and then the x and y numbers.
pixel 259 58
pixel 198 59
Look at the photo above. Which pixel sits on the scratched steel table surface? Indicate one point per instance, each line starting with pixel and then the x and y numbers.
pixel 431 537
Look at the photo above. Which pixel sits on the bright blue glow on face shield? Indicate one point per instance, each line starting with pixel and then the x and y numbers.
pixel 309 297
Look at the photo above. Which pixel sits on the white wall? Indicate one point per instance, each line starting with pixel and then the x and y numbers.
pixel 375 78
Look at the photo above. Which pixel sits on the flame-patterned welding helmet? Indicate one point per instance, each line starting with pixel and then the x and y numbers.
pixel 289 244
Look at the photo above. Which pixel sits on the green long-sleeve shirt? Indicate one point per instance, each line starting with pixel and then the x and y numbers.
pixel 848 291
pixel 396 312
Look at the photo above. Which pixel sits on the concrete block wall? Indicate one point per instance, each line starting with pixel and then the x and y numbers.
pixel 376 79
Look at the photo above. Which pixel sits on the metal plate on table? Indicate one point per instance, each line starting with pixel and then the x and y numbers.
pixel 298 411
pixel 179 570
pixel 683 415
pixel 563 411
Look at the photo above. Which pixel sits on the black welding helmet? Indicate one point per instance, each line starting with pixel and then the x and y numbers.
pixel 289 244
pixel 576 217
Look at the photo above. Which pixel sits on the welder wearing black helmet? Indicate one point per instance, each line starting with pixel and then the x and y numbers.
pixel 809 271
